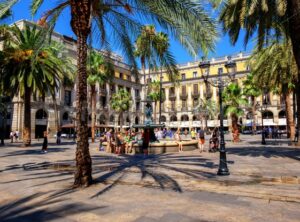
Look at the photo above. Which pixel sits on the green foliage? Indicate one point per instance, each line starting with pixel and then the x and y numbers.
pixel 250 88
pixel 154 94
pixel 99 70
pixel 274 67
pixel 233 100
pixel 121 101
pixel 209 107
pixel 30 63
pixel 266 18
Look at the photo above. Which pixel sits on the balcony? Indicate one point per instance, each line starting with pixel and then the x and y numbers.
pixel 137 97
pixel 183 96
pixel 195 94
pixel 184 109
pixel 172 96
pixel 207 95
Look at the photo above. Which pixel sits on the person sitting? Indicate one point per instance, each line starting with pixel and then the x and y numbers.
pixel 178 140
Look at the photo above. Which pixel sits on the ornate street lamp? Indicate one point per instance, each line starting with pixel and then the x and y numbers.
pixel 220 84
pixel 263 108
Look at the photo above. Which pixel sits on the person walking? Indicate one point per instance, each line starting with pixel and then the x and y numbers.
pixel 58 137
pixel 17 136
pixel 11 136
pixel 146 141
pixel 45 142
pixel 201 140
pixel 193 134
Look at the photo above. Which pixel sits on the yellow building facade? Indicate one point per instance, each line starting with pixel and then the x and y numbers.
pixel 181 99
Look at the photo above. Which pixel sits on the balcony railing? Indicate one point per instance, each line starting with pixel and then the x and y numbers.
pixel 172 96
pixel 183 96
pixel 195 94
pixel 184 109
pixel 137 97
pixel 102 92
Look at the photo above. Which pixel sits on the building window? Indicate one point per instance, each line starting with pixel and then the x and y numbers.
pixel 137 93
pixel 128 90
pixel 248 68
pixel 121 75
pixel 137 106
pixel 68 98
pixel 184 104
pixel 220 70
pixel 112 88
pixel 195 102
pixel 172 91
pixel 195 74
pixel 195 88
pixel 183 76
pixel 183 90
pixel 173 105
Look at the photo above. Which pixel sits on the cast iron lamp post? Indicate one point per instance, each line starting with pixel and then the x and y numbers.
pixel 220 84
pixel 263 108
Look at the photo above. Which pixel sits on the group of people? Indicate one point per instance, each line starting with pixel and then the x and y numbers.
pixel 122 142
pixel 271 133
pixel 14 136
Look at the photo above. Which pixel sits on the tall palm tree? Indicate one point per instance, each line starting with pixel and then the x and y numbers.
pixel 121 102
pixel 30 66
pixel 120 20
pixel 252 91
pixel 266 18
pixel 155 95
pixel 99 72
pixel 233 101
pixel 274 67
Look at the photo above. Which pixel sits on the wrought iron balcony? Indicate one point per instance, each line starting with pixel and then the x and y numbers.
pixel 183 96
pixel 172 96
pixel 195 94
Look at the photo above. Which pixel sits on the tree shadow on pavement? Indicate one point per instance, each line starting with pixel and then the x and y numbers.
pixel 267 152
pixel 40 207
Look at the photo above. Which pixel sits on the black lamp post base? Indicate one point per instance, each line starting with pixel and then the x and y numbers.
pixel 223 172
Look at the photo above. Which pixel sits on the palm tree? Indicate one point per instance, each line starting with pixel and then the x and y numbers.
pixel 99 71
pixel 155 95
pixel 267 19
pixel 206 109
pixel 251 90
pixel 29 66
pixel 233 100
pixel 121 102
pixel 274 67
pixel 120 20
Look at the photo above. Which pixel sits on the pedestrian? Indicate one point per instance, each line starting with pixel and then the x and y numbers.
pixel 146 141
pixel 193 134
pixel 58 137
pixel 17 136
pixel 164 133
pixel 178 140
pixel 45 142
pixel 186 132
pixel 201 139
pixel 11 136
pixel 118 143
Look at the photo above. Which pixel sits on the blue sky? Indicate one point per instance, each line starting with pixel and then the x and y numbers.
pixel 223 47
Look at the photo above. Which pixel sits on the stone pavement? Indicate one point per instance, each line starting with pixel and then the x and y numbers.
pixel 264 185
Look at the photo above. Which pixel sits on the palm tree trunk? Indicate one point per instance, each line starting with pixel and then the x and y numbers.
pixel 289 116
pixel 80 22
pixel 253 115
pixel 27 117
pixel 93 104
pixel 145 90
pixel 234 123
pixel 293 7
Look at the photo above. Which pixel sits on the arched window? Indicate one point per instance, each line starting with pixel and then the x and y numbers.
pixel 195 118
pixel 102 119
pixel 127 119
pixel 136 121
pixel 173 118
pixel 163 119
pixel 249 115
pixel 282 114
pixel 184 118
pixel 41 114
pixel 65 116
pixel 268 115
pixel 111 118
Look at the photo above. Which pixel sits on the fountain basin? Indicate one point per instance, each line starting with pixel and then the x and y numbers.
pixel 164 147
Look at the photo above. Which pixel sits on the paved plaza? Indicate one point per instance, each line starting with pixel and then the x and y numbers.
pixel 264 185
